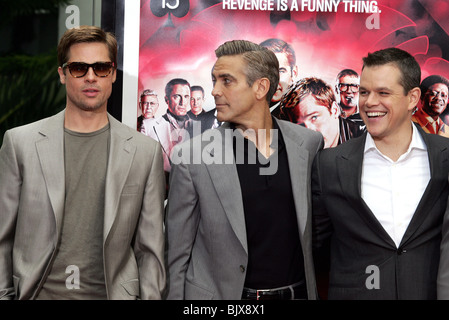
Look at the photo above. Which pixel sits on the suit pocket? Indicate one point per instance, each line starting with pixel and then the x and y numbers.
pixel 16 281
pixel 130 189
pixel 194 292
pixel 131 287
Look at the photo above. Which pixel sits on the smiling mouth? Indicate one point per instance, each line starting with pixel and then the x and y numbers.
pixel 375 114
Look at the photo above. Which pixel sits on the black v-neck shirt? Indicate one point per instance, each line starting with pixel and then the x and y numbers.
pixel 275 256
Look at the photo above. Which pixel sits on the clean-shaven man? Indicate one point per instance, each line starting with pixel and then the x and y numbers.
pixel 238 219
pixel 379 199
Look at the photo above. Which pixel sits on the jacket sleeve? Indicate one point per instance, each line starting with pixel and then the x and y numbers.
pixel 149 240
pixel 181 224
pixel 10 186
pixel 321 223
pixel 443 270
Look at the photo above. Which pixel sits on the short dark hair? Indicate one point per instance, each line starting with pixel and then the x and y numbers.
pixel 431 80
pixel 260 62
pixel 197 88
pixel 169 86
pixel 280 46
pixel 347 72
pixel 408 66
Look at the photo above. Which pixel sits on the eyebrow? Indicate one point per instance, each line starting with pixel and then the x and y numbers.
pixel 376 89
pixel 224 75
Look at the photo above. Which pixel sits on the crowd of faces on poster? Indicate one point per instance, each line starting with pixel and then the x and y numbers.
pixel 319 45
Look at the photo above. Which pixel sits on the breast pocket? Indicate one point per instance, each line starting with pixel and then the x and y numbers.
pixel 130 189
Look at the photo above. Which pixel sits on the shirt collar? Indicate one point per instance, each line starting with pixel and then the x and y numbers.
pixel 416 143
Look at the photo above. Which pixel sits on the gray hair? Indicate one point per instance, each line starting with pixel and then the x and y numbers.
pixel 260 62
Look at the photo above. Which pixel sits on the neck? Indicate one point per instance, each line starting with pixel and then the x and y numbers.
pixel 348 111
pixel 257 128
pixel 395 146
pixel 85 121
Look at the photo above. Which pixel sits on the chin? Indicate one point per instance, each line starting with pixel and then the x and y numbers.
pixel 221 118
pixel 90 108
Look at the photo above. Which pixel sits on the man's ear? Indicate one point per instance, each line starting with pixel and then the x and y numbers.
pixel 335 109
pixel 414 97
pixel 261 86
pixel 295 73
pixel 61 75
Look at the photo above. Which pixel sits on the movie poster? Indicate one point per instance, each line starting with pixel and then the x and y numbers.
pixel 178 39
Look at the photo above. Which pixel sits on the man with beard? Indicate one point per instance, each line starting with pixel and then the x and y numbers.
pixel 81 194
pixel 434 98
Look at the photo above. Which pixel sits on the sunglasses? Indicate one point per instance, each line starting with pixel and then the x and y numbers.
pixel 345 86
pixel 79 69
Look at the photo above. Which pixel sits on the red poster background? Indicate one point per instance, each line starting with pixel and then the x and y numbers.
pixel 181 43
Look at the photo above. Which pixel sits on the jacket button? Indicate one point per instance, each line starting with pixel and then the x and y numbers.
pixel 242 268
pixel 401 251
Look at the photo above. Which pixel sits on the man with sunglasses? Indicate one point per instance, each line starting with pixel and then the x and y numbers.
pixel 348 89
pixel 81 194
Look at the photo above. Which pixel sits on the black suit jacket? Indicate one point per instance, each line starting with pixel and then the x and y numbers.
pixel 358 241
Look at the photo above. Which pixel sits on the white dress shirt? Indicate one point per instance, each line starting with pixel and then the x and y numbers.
pixel 392 190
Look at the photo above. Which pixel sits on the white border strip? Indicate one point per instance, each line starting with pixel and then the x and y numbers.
pixel 131 62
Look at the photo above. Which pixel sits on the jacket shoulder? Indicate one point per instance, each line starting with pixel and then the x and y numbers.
pixel 136 136
pixel 298 129
pixel 345 149
pixel 40 125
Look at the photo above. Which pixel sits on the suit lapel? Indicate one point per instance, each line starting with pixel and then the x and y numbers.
pixel 349 168
pixel 298 159
pixel 121 154
pixel 50 149
pixel 438 160
pixel 225 178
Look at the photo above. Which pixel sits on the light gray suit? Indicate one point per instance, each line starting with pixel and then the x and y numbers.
pixel 167 133
pixel 205 222
pixel 32 192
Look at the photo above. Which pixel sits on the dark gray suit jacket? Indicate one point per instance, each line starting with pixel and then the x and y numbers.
pixel 205 222
pixel 357 239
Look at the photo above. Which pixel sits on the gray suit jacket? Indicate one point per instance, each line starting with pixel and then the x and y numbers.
pixel 205 222
pixel 32 207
